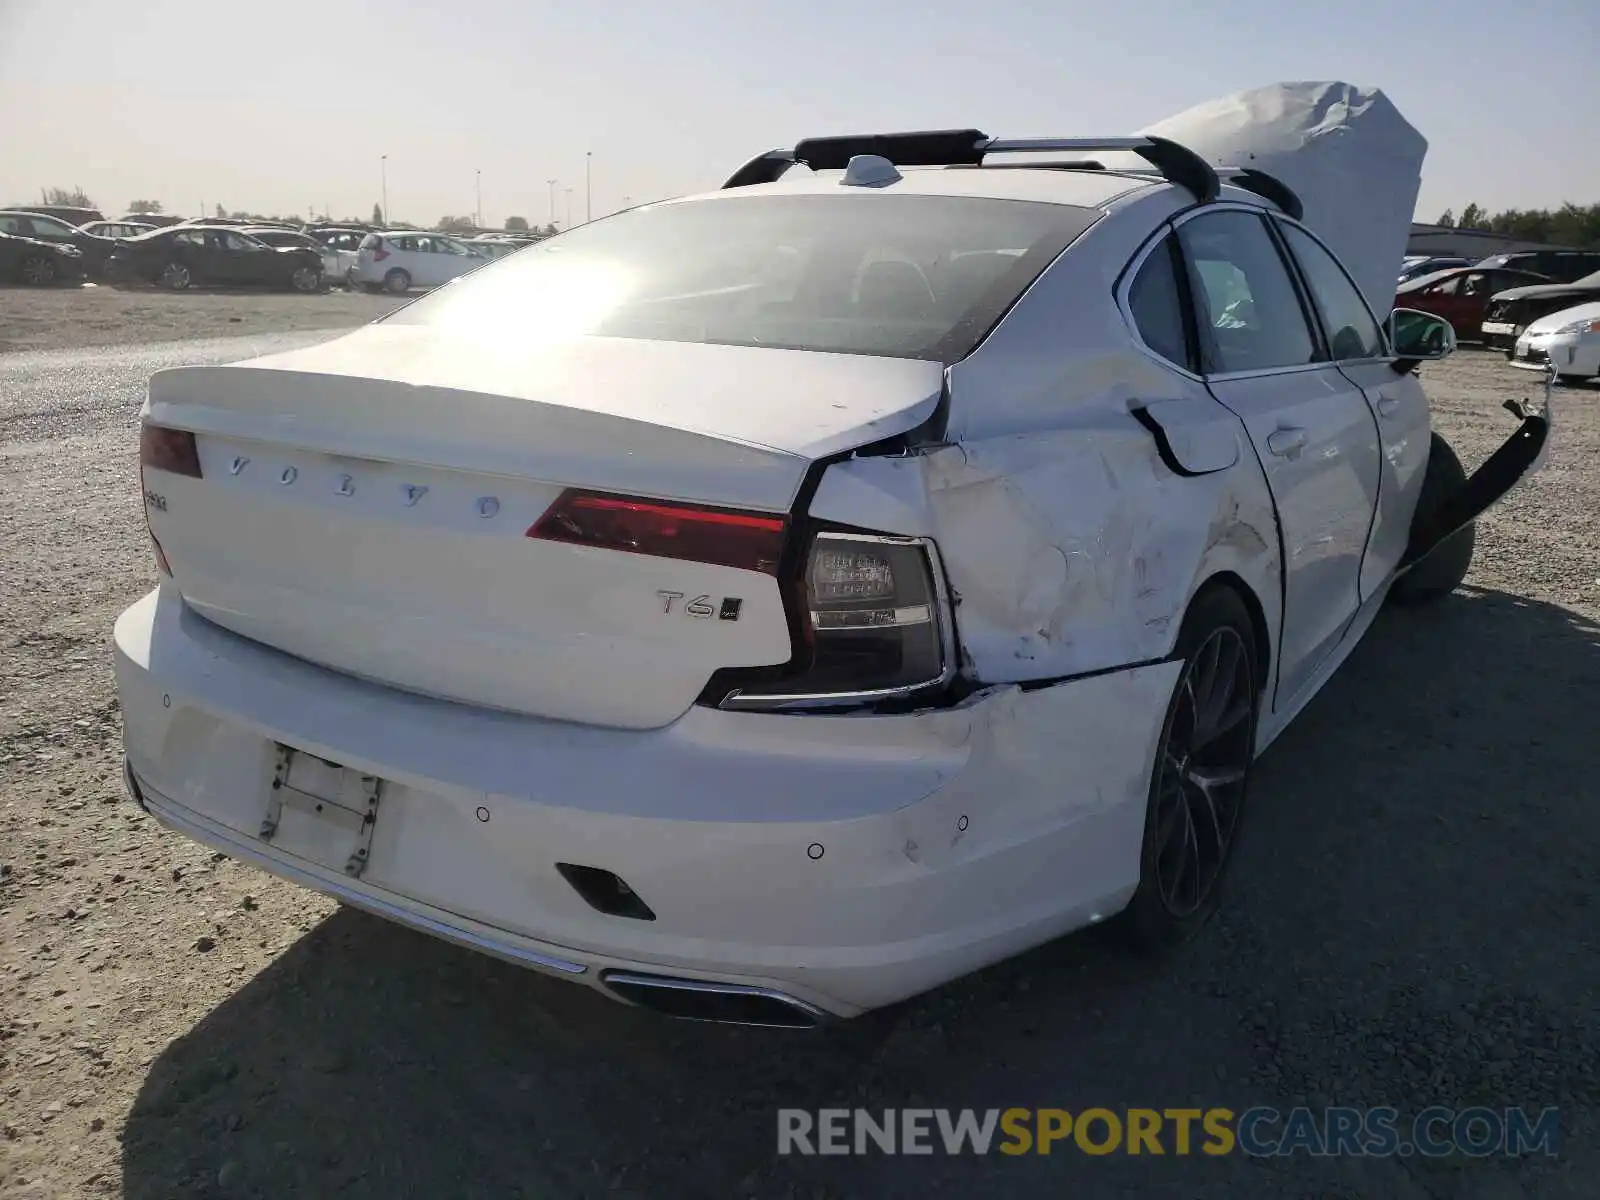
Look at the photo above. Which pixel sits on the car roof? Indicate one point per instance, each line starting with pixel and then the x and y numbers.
pixel 1079 188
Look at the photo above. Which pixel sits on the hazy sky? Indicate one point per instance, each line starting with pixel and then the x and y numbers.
pixel 276 107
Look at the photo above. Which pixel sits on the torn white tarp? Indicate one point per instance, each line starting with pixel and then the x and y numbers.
pixel 1355 162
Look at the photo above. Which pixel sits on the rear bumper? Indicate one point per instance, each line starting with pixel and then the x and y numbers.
pixel 845 861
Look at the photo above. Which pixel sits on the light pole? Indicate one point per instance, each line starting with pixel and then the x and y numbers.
pixel 588 188
pixel 477 217
pixel 552 183
pixel 383 174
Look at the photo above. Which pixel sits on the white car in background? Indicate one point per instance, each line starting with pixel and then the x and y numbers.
pixel 399 260
pixel 766 605
pixel 1568 341
pixel 495 247
pixel 116 230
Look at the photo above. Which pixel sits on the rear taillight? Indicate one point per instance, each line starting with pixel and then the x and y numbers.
pixel 164 449
pixel 379 252
pixel 875 626
pixel 725 537
pixel 169 450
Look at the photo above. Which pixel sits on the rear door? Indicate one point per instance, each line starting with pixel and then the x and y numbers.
pixel 1310 425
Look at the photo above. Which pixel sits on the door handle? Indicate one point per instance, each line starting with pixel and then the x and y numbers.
pixel 1387 406
pixel 1287 443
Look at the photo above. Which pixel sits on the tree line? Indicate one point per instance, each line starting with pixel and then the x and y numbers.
pixel 1569 225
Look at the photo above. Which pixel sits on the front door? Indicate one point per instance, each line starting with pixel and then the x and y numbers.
pixel 1398 405
pixel 1310 426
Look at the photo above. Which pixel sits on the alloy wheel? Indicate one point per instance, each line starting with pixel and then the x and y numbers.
pixel 39 272
pixel 176 276
pixel 306 280
pixel 1202 768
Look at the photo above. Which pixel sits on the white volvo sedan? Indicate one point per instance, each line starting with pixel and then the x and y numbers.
pixel 767 605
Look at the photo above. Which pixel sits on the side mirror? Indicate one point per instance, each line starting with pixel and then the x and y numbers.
pixel 1419 337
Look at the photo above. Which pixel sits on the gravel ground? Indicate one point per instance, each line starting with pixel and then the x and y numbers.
pixel 1412 920
pixel 77 318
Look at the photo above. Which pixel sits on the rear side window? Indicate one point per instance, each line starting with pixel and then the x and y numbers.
pixel 1245 300
pixel 1346 322
pixel 907 276
pixel 371 242
pixel 1157 306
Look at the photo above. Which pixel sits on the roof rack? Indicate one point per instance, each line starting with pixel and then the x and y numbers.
pixel 968 147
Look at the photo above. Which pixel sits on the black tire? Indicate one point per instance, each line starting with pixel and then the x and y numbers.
pixel 39 270
pixel 1573 380
pixel 1439 574
pixel 307 281
pixel 397 282
pixel 175 277
pixel 1182 811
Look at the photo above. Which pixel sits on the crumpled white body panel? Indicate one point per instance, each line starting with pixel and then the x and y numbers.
pixel 1355 162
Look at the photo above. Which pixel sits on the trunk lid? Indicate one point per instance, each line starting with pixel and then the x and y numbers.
pixel 364 504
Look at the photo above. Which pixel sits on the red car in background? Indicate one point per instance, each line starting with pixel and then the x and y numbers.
pixel 1461 295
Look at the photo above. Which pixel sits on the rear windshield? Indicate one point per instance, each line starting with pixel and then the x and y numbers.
pixel 895 275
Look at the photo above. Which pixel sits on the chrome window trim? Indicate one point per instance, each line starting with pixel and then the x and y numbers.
pixel 1124 287
pixel 736 700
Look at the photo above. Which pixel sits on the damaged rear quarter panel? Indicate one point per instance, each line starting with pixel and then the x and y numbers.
pixel 1067 551
pixel 1069 546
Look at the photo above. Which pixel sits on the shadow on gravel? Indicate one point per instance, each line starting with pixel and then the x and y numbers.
pixel 1411 923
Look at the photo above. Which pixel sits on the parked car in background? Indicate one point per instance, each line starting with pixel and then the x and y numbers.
pixel 154 220
pixel 1568 340
pixel 1461 295
pixel 182 256
pixel 38 263
pixel 402 259
pixel 46 228
pixel 1511 312
pixel 1558 266
pixel 278 235
pixel 71 214
pixel 494 247
pixel 340 246
pixel 1417 265
pixel 117 229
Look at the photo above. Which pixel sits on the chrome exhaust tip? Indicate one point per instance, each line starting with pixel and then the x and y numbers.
pixel 722 1003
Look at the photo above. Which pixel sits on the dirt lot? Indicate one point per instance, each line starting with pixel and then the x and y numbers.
pixel 1412 918
pixel 74 318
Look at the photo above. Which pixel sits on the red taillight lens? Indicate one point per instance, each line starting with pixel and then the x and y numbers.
pixel 724 537
pixel 169 450
pixel 379 254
